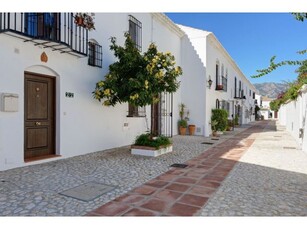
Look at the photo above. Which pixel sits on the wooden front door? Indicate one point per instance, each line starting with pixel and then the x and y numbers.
pixel 39 117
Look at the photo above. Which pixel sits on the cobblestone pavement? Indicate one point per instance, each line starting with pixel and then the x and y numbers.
pixel 269 180
pixel 34 190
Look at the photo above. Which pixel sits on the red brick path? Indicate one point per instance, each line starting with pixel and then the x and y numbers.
pixel 183 192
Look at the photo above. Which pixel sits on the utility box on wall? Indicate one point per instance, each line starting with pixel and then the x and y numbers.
pixel 9 102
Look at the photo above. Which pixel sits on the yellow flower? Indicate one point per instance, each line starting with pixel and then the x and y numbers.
pixel 101 83
pixel 135 96
pixel 97 92
pixel 146 84
pixel 107 92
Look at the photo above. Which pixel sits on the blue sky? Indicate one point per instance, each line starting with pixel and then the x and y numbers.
pixel 253 38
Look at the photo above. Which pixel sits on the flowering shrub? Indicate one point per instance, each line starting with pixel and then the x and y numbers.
pixel 137 78
pixel 85 20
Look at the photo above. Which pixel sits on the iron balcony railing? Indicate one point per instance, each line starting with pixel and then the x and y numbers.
pixel 57 31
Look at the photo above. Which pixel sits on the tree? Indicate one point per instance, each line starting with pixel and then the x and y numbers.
pixel 137 78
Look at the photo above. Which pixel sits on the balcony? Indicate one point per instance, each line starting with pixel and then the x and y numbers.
pixel 221 84
pixel 239 94
pixel 56 31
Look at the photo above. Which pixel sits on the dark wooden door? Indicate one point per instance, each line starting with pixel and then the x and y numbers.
pixel 39 118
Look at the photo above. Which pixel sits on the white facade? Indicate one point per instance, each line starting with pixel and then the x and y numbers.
pixel 293 116
pixel 212 53
pixel 83 125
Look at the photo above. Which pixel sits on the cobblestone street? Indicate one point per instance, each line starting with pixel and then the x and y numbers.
pixel 241 174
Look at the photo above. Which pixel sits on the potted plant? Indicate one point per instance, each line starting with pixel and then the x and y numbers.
pixel 229 125
pixel 147 145
pixel 151 73
pixel 85 20
pixel 183 122
pixel 213 127
pixel 221 117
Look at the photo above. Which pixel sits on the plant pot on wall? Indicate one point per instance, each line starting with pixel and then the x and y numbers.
pixel 192 129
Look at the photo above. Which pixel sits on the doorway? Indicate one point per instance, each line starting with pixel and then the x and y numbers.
pixel 39 116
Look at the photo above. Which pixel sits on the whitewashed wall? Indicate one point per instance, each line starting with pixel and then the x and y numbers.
pixel 293 116
pixel 193 86
pixel 83 124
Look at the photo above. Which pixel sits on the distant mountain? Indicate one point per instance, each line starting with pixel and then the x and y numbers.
pixel 270 89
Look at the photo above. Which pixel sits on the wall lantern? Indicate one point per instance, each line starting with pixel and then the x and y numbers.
pixel 209 82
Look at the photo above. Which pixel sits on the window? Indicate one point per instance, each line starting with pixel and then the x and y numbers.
pixel 135 31
pixel 250 93
pixel 236 94
pixel 217 104
pixel 253 95
pixel 43 25
pixel 94 54
pixel 135 111
pixel 225 105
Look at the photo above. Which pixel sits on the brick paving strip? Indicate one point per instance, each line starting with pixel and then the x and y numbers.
pixel 183 191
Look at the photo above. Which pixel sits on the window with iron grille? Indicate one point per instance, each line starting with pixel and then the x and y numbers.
pixel 136 111
pixel 94 54
pixel 135 31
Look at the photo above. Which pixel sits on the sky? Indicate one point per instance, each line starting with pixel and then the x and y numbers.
pixel 252 39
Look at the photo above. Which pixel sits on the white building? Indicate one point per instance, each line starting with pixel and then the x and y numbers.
pixel 266 111
pixel 50 67
pixel 293 116
pixel 230 89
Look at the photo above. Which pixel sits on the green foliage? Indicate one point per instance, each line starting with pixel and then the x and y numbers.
pixel 237 119
pixel 137 78
pixel 213 124
pixel 273 66
pixel 183 123
pixel 275 105
pixel 221 117
pixel 257 108
pixel 181 110
pixel 147 140
pixel 300 16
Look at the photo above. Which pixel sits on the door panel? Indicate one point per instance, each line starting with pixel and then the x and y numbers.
pixel 39 116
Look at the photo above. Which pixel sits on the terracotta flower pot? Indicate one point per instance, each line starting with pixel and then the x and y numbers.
pixel 192 129
pixel 182 130
pixel 79 21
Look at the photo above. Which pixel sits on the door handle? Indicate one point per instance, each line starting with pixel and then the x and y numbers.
pixel 37 123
